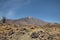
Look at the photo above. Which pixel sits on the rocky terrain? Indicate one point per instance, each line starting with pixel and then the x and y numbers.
pixel 11 31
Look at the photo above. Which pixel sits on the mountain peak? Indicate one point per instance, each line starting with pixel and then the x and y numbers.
pixel 29 17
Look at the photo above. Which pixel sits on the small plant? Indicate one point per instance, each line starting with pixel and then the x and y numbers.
pixel 34 35
pixel 50 37
pixel 10 32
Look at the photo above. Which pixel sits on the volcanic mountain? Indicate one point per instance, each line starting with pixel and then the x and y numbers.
pixel 27 29
pixel 27 21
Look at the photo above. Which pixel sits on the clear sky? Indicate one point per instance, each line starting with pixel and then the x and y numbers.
pixel 47 10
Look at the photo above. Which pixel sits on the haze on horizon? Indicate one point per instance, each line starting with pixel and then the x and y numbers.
pixel 47 10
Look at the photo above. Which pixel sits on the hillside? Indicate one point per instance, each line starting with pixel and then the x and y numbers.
pixel 29 32
pixel 11 31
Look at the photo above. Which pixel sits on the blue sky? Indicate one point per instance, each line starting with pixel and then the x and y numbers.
pixel 47 10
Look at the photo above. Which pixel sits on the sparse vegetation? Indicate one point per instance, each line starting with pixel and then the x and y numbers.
pixel 29 32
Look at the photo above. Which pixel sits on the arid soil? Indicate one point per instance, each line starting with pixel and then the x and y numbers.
pixel 29 32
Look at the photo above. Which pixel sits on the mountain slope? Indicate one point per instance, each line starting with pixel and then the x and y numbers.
pixel 29 32
pixel 30 21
